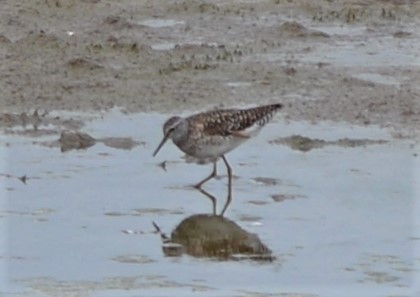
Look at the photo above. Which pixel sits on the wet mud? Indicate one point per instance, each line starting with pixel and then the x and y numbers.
pixel 74 140
pixel 305 144
pixel 352 61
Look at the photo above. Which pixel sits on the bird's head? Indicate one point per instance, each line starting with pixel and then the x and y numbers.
pixel 168 128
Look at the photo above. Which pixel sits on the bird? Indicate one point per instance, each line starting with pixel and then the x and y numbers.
pixel 207 137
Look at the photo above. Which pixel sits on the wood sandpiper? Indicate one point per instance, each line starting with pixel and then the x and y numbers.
pixel 208 136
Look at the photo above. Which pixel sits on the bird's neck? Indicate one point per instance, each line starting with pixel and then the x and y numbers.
pixel 180 134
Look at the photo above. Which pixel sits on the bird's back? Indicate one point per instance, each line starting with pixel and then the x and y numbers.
pixel 226 122
pixel 214 133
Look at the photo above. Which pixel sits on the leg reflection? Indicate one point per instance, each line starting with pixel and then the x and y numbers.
pixel 212 198
pixel 214 201
pixel 229 197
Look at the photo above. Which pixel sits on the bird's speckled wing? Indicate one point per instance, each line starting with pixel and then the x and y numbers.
pixel 234 121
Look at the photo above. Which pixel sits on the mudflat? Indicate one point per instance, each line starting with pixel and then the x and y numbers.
pixel 352 61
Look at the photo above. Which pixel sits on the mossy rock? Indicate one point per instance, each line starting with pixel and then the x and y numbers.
pixel 205 235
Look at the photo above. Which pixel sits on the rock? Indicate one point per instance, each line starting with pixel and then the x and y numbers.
pixel 205 235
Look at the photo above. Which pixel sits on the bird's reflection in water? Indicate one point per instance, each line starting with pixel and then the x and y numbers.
pixel 214 236
pixel 214 200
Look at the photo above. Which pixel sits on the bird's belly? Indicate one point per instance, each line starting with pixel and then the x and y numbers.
pixel 217 150
pixel 213 149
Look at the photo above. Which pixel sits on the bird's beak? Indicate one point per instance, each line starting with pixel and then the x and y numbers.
pixel 165 138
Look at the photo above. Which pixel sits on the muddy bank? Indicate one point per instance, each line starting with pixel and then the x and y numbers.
pixel 353 61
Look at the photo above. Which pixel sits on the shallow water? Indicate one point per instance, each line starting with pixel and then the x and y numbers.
pixel 82 225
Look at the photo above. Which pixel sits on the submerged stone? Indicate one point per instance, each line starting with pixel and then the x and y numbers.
pixel 205 235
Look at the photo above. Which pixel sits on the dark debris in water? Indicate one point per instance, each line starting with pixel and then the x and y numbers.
pixel 249 218
pixel 304 144
pixel 284 197
pixel 144 211
pixel 267 181
pixel 133 259
pixel 258 202
pixel 22 178
pixel 163 165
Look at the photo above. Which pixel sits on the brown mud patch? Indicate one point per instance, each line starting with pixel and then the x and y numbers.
pixel 36 123
pixel 305 144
